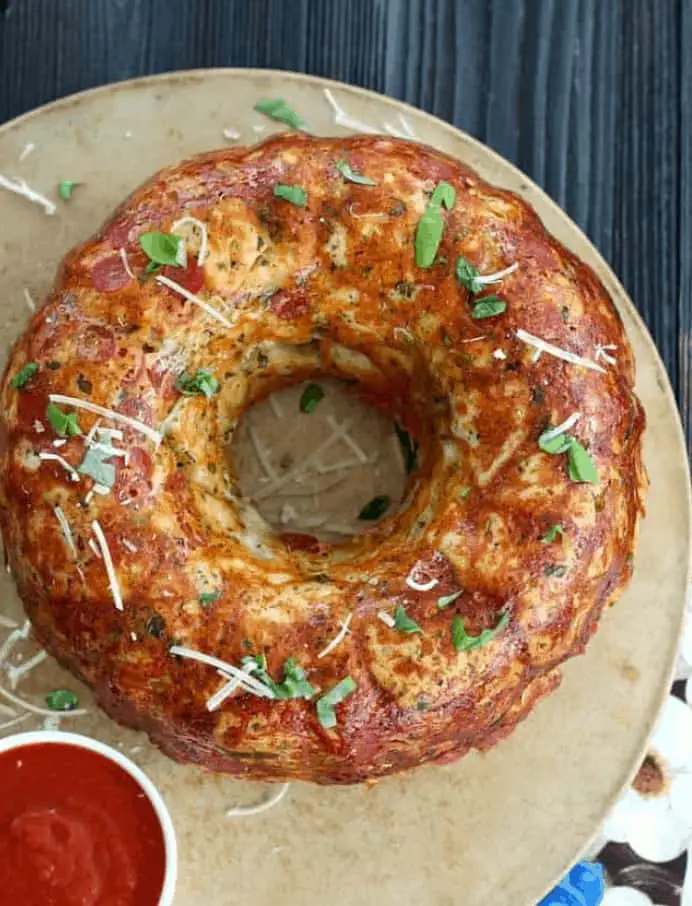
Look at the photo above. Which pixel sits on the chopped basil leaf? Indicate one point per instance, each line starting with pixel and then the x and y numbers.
pixel 464 492
pixel 377 507
pixel 294 194
pixel 294 683
pixel 444 194
pixel 325 705
pixel 65 187
pixel 62 700
pixel 404 623
pixel 580 466
pixel 445 600
pixel 428 236
pixel 208 596
pixel 310 398
pixel 552 533
pixel 488 307
pixel 162 248
pixel 95 466
pixel 462 641
pixel 409 448
pixel 351 176
pixel 431 224
pixel 278 109
pixel 24 375
pixel 63 423
pixel 202 384
pixel 467 275
pixel 554 445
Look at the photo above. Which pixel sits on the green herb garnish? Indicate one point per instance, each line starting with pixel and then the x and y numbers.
pixel 462 641
pixel 580 466
pixel 65 188
pixel 278 109
pixel 24 375
pixel 325 705
pixel 63 423
pixel 431 224
pixel 555 569
pixel 162 249
pixel 488 307
pixel 552 533
pixel 403 622
pixel 62 700
pixel 445 600
pixel 294 194
pixel 409 448
pixel 294 683
pixel 310 398
pixel 468 275
pixel 464 492
pixel 207 597
pixel 377 507
pixel 95 466
pixel 202 384
pixel 444 194
pixel 351 176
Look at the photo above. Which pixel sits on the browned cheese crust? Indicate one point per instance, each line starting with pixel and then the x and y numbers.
pixel 330 287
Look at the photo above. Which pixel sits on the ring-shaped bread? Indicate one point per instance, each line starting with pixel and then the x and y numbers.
pixel 394 267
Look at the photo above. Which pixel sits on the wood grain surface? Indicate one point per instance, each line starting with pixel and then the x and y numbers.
pixel 592 99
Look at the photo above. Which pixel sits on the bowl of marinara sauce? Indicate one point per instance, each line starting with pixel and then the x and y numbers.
pixel 81 825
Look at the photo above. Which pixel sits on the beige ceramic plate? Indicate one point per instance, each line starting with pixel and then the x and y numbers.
pixel 493 829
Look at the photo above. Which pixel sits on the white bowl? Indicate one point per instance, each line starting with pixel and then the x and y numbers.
pixel 20 740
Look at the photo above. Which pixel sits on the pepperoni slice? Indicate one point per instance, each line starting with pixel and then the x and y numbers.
pixel 96 343
pixel 190 277
pixel 109 275
pixel 296 541
pixel 133 482
pixel 288 306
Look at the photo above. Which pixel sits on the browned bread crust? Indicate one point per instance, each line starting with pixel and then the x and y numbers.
pixel 297 291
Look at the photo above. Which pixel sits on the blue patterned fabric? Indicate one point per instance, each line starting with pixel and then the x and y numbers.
pixel 583 886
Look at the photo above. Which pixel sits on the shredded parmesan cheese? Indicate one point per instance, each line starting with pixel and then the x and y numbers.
pixel 20 187
pixel 228 688
pixel 420 586
pixel 562 427
pixel 249 683
pixel 231 134
pixel 14 674
pixel 56 457
pixel 108 413
pixel 338 638
pixel 243 811
pixel 28 149
pixel 191 297
pixel 108 563
pixel 497 277
pixel 543 346
pixel 386 618
pixel 348 439
pixel 341 118
pixel 14 722
pixel 499 354
pixel 126 264
pixel 65 528
pixel 204 236
pixel 600 353
pixel 95 548
pixel 35 709
pixel 128 545
pixel 17 635
pixel 30 304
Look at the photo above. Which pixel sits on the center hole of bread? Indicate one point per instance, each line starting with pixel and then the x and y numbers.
pixel 316 460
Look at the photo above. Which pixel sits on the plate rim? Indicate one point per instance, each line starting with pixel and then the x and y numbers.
pixel 604 273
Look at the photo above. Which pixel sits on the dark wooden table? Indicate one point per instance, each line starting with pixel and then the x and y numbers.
pixel 591 98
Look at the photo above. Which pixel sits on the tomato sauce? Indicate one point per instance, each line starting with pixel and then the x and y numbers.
pixel 75 830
